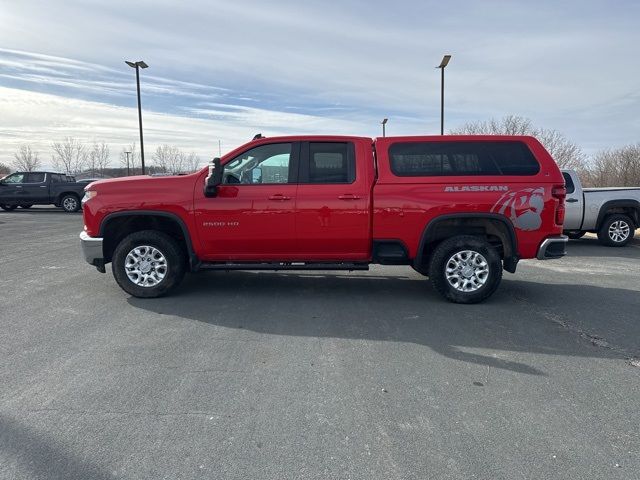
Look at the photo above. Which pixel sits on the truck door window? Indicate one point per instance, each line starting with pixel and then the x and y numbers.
pixel 568 182
pixel 35 178
pixel 266 164
pixel 329 162
pixel 15 178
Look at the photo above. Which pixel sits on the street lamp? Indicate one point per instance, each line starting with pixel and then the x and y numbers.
pixel 127 153
pixel 443 64
pixel 138 65
pixel 383 123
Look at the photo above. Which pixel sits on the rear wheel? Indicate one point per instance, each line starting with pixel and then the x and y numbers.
pixel 8 208
pixel 465 269
pixel 70 203
pixel 28 205
pixel 148 264
pixel 616 231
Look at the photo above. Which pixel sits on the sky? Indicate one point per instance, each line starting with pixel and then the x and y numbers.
pixel 224 71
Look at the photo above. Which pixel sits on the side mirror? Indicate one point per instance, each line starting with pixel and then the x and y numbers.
pixel 213 179
pixel 256 175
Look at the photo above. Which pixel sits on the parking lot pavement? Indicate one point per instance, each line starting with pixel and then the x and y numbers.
pixel 367 375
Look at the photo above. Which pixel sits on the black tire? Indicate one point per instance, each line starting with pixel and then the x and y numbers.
pixel 616 230
pixel 26 206
pixel 8 208
pixel 167 246
pixel 575 235
pixel 445 252
pixel 70 203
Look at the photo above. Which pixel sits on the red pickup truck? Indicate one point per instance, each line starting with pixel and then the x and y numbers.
pixel 457 209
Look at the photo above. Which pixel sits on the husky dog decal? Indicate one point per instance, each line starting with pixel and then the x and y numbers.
pixel 523 207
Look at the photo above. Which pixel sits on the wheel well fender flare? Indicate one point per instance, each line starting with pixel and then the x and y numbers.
pixel 630 203
pixel 193 259
pixel 430 228
pixel 64 194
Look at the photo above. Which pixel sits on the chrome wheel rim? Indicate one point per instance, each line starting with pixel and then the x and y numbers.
pixel 145 266
pixel 619 231
pixel 70 203
pixel 467 271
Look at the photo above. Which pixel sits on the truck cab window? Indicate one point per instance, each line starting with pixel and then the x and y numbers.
pixel 568 181
pixel 35 178
pixel 330 162
pixel 15 178
pixel 266 164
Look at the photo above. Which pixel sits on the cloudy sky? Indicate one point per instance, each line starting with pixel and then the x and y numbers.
pixel 225 70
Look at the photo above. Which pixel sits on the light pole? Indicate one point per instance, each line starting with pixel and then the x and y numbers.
pixel 384 123
pixel 138 65
pixel 443 64
pixel 127 153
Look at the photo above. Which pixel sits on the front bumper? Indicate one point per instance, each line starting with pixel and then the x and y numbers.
pixel 92 250
pixel 553 247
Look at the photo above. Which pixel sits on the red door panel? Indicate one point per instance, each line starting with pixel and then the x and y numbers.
pixel 332 217
pixel 248 223
pixel 252 217
pixel 332 222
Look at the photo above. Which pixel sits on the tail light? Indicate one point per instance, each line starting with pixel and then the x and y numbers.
pixel 560 193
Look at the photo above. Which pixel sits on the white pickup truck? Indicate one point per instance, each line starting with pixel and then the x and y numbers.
pixel 613 212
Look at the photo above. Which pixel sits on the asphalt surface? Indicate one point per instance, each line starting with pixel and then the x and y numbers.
pixel 368 375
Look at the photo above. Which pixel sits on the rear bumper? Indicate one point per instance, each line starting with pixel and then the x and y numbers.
pixel 553 247
pixel 92 250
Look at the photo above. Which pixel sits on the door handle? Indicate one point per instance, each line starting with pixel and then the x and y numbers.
pixel 348 196
pixel 279 197
pixel 572 200
pixel 43 186
pixel 18 186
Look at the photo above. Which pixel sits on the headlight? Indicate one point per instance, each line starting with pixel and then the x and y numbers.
pixel 88 195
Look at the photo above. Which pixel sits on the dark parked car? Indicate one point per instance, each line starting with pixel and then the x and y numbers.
pixel 25 189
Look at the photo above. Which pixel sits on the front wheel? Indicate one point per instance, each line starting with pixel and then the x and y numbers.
pixel 148 264
pixel 70 203
pixel 616 231
pixel 8 208
pixel 465 269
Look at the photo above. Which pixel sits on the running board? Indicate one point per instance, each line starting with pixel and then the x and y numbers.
pixel 284 266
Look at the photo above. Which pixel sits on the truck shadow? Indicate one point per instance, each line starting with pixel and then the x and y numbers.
pixel 39 211
pixel 521 318
pixel 42 455
pixel 590 247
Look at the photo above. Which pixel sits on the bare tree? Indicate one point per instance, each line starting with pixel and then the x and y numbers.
pixel 69 156
pixel 509 125
pixel 566 153
pixel 133 160
pixel 4 169
pixel 191 162
pixel 98 157
pixel 618 167
pixel 26 160
pixel 169 159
